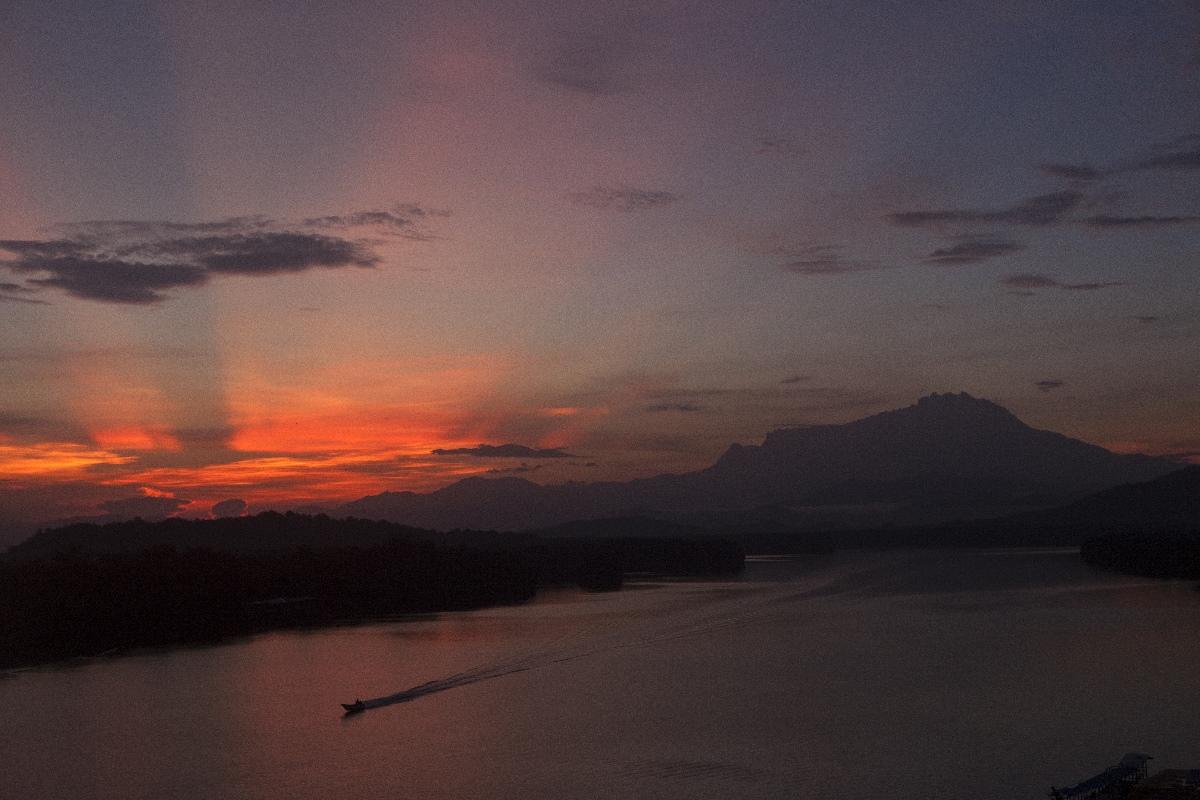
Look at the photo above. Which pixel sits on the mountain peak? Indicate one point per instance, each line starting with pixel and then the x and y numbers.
pixel 951 398
pixel 960 405
pixel 953 410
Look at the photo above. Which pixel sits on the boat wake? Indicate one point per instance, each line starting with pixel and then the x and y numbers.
pixel 637 629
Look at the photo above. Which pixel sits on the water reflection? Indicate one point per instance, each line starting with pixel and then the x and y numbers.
pixel 988 675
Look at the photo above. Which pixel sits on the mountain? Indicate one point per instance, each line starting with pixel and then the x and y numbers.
pixel 948 456
pixel 1168 505
pixel 956 440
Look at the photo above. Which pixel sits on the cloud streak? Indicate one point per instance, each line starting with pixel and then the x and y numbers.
pixel 521 468
pixel 504 451
pixel 1039 211
pixel 825 259
pixel 623 198
pixel 971 251
pixel 1025 283
pixel 140 263
pixel 1107 222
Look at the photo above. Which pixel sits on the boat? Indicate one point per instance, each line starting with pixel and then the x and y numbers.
pixel 357 705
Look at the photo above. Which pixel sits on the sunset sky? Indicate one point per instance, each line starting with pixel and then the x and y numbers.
pixel 284 251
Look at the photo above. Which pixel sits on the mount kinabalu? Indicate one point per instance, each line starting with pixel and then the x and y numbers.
pixel 949 456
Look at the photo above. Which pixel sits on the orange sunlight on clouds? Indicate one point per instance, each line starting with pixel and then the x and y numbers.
pixel 312 477
pixel 52 461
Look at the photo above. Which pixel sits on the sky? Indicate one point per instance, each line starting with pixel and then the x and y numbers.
pixel 294 253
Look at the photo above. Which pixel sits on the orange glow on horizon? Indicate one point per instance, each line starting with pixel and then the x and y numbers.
pixel 1138 447
pixel 333 432
pixel 332 477
pixel 300 434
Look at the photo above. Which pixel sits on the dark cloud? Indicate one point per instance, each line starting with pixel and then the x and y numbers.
pixel 58 499
pixel 1047 386
pixel 504 451
pixel 1042 210
pixel 230 508
pixel 1144 318
pixel 797 379
pixel 522 467
pixel 825 259
pixel 274 253
pixel 675 407
pixel 1091 287
pixel 1071 172
pixel 1026 282
pixel 105 279
pixel 148 508
pixel 138 262
pixel 1185 160
pixel 1110 222
pixel 971 251
pixel 583 62
pixel 403 219
pixel 623 198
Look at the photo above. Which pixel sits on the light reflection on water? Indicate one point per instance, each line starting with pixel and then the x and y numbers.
pixel 937 674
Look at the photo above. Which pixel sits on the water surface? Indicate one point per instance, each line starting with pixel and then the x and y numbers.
pixel 934 674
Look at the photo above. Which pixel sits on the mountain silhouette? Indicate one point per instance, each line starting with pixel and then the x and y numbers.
pixel 1167 505
pixel 948 456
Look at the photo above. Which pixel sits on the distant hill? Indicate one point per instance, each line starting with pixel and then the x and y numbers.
pixel 1167 505
pixel 269 530
pixel 948 456
pixel 1148 529
pixel 1165 508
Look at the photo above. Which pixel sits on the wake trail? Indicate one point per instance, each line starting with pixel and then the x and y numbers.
pixel 616 634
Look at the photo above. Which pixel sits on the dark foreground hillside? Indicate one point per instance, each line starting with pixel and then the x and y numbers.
pixel 117 594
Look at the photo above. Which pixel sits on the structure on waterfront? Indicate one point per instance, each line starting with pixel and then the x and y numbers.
pixel 1127 780
pixel 1170 784
pixel 1114 782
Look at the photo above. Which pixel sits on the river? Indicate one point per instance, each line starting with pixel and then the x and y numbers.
pixel 918 674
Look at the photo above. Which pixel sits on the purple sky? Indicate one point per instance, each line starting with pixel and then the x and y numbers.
pixel 285 251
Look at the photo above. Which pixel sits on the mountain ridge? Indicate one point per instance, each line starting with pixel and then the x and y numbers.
pixel 946 456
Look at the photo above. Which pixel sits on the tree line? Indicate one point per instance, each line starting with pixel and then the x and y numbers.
pixel 290 570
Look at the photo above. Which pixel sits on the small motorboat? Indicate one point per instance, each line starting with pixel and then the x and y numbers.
pixel 357 705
